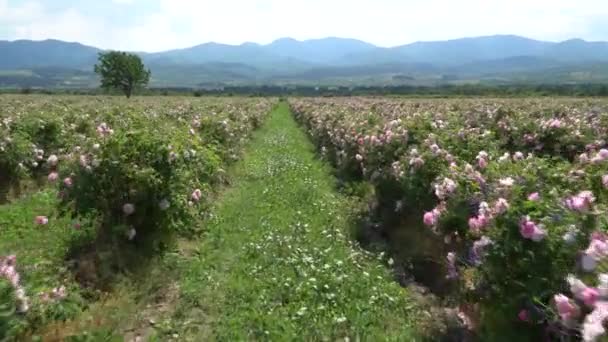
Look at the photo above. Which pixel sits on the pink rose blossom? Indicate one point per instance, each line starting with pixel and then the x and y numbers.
pixel 104 130
pixel 590 296
pixel 581 202
pixel 593 326
pixel 53 176
pixel 523 315
pixel 529 230
pixel 431 218
pixel 68 182
pixel 477 223
pixel 196 196
pixel 41 220
pixel 501 206
pixel 565 308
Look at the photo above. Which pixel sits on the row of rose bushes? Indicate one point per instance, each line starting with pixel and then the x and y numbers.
pixel 143 169
pixel 516 189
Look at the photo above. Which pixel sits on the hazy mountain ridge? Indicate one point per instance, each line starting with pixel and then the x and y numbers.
pixel 332 60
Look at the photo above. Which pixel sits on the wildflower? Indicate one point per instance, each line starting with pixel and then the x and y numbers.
pixel 359 157
pixel 68 182
pixel 41 220
pixel 533 197
pixel 128 209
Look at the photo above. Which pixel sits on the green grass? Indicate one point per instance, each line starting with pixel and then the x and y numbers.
pixel 277 262
pixel 41 252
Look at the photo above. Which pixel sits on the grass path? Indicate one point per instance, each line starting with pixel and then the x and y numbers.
pixel 277 262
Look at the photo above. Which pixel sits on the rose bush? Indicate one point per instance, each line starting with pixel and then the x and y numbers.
pixel 127 175
pixel 514 190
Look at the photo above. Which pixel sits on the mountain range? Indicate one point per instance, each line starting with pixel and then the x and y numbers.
pixel 501 59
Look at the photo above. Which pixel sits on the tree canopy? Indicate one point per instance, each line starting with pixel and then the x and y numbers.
pixel 123 71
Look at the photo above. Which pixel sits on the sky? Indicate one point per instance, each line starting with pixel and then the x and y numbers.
pixel 157 25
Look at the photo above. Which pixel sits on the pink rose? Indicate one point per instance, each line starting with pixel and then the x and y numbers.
pixel 590 296
pixel 565 308
pixel 41 220
pixel 523 315
pixel 53 176
pixel 196 196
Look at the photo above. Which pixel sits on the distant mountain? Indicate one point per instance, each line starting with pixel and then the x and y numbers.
pixel 322 51
pixel 33 54
pixel 332 60
pixel 467 50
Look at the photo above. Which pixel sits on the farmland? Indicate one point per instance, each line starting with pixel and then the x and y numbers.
pixel 175 218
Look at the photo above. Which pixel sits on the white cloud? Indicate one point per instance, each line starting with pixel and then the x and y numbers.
pixel 182 23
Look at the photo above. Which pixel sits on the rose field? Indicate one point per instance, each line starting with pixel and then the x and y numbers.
pixel 355 218
pixel 507 198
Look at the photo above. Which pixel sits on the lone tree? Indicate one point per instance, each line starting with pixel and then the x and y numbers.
pixel 121 70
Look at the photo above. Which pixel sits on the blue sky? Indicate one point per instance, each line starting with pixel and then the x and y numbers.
pixel 155 25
